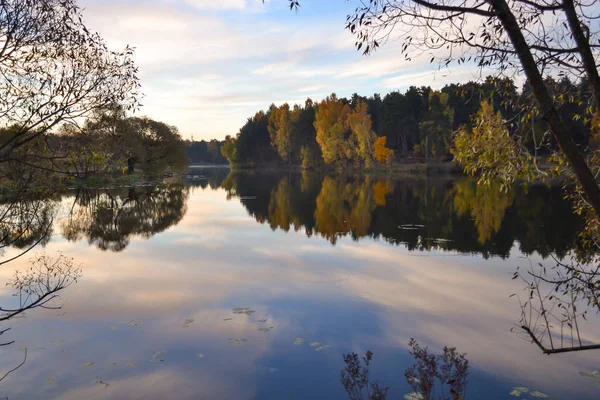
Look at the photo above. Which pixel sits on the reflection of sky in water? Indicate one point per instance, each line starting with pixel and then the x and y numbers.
pixel 355 296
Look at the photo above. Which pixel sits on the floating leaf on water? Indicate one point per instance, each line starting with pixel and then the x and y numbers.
pixel 61 314
pixel 156 355
pixel 521 389
pixel 187 322
pixel 243 310
pixel 87 364
pixel 227 319
pixel 40 348
pixel 23 349
pixel 299 341
pixel 324 347
pixel 57 341
pixel 131 364
pixel 112 365
pixel 315 344
pixel 515 393
pixel 50 380
pixel 237 342
pixel 102 383
pixel 113 328
pixel 262 320
pixel 413 396
pixel 537 394
pixel 266 329
pixel 273 370
pixel 200 355
pixel 134 323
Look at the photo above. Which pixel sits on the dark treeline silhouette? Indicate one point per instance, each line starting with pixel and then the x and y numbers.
pixel 419 215
pixel 417 125
pixel 204 152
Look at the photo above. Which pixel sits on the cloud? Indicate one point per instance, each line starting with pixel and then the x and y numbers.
pixel 207 65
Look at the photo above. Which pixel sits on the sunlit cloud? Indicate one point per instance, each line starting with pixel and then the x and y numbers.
pixel 206 65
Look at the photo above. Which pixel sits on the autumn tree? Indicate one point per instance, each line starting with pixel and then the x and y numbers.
pixel 332 130
pixel 361 126
pixel 383 155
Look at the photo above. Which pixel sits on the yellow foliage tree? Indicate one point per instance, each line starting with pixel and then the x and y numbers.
pixel 331 126
pixel 359 122
pixel 383 155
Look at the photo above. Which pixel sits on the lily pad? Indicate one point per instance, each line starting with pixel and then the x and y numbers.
pixel 324 347
pixel 87 364
pixel 102 383
pixel 539 395
pixel 243 310
pixel 227 319
pixel 315 344
pixel 521 389
pixel 187 322
pixel 413 396
pixel 262 320
pixel 515 393
pixel 112 365
pixel 266 329
pixel 200 355
pixel 131 364
pixel 50 380
pixel 134 323
pixel 237 342
pixel 57 341
pixel 299 341
pixel 156 355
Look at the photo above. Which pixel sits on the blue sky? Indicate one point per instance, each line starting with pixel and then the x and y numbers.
pixel 208 65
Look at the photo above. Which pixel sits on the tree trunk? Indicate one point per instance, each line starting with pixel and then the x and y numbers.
pixel 583 43
pixel 130 165
pixel 546 104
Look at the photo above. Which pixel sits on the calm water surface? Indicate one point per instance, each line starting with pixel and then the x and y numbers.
pixel 352 263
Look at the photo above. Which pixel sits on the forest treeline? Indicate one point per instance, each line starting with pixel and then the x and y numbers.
pixel 415 126
pixel 204 152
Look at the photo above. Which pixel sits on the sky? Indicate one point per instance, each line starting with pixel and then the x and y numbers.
pixel 208 65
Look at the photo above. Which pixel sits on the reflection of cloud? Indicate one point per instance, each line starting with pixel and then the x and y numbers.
pixel 162 384
pixel 219 258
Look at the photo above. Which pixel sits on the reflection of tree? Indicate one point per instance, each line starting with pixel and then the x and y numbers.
pixel 26 221
pixel 487 204
pixel 556 304
pixel 110 218
pixel 38 287
pixel 418 214
pixel 445 373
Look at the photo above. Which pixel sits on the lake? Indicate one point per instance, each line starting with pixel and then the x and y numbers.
pixel 254 286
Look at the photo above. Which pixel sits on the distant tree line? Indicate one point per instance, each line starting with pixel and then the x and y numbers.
pixel 204 152
pixel 413 126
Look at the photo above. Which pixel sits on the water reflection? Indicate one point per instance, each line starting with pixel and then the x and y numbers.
pixel 109 218
pixel 420 215
pixel 184 293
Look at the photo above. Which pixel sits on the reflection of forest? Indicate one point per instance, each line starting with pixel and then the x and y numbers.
pixel 419 214
pixel 109 218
